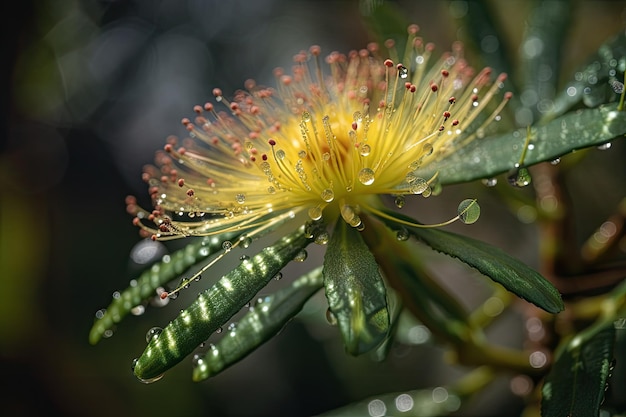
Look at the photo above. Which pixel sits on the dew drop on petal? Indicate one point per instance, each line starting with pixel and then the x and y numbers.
pixel 280 154
pixel 328 195
pixel 152 333
pixel 306 116
pixel 227 245
pixel 419 186
pixel 399 201
pixel 315 213
pixel 366 176
pixel 364 149
pixel 468 211
pixel 240 198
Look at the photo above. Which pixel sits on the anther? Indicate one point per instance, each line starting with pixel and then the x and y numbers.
pixel 197 109
pixel 217 92
pixel 272 142
pixel 444 73
pixel 388 63
pixel 181 182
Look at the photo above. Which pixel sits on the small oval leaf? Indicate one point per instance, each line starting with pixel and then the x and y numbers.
pixel 355 290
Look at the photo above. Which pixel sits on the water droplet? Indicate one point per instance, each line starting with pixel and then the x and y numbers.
pixel 490 182
pixel 366 176
pixel 402 234
pixel 357 116
pixel 364 149
pixel 278 276
pixel 245 241
pixel 244 258
pixel 555 161
pixel 604 146
pixel 315 213
pixel 301 256
pixel 197 360
pixel 100 313
pixel 519 177
pixel 271 190
pixel 328 195
pixel 280 154
pixel 219 330
pixel 419 186
pixel 117 295
pixel 227 245
pixel 151 380
pixel 427 149
pixel 330 317
pixel 404 72
pixel 232 327
pixel 152 333
pixel 469 211
pixel 322 238
pixel 302 154
pixel 306 116
pixel 138 310
pixel 399 201
pixel 240 198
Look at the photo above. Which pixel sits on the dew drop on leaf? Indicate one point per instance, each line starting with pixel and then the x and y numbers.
pixel 152 333
pixel 519 177
pixel 399 201
pixel 490 182
pixel 301 256
pixel 469 211
pixel 605 146
pixel 402 234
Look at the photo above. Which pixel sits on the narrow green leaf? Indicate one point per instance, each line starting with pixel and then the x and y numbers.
pixel 264 320
pixel 576 383
pixel 144 288
pixel 592 84
pixel 511 273
pixel 493 155
pixel 216 305
pixel 355 291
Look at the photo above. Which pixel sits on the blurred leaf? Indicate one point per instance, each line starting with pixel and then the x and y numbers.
pixel 144 288
pixel 493 155
pixel 355 290
pixel 592 83
pixel 541 50
pixel 575 386
pixel 264 320
pixel 511 273
pixel 216 305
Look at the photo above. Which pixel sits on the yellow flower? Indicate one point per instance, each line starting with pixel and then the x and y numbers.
pixel 320 144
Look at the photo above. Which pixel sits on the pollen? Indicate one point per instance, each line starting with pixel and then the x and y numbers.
pixel 321 142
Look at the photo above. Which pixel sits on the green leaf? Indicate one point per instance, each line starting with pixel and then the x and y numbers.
pixel 216 305
pixel 144 288
pixel 511 273
pixel 576 383
pixel 264 320
pixel 493 155
pixel 592 83
pixel 355 290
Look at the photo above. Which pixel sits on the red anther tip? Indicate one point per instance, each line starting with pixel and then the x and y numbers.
pixel 197 109
pixel 452 100
pixel 264 157
pixel 430 46
pixel 446 114
pixel 136 221
pixel 445 73
pixel 399 66
pixel 434 88
pixel 455 122
pixel 390 43
pixel 388 63
pixel 217 92
pixel 272 142
pixel 372 46
pixel 413 88
pixel 190 192
pixel 164 294
pixel 185 121
pixel 168 148
pixel 153 237
pixel 407 85
pixel 354 125
pixel 181 182
pixel 503 77
pixel 508 95
pixel 208 106
pixel 234 106
pixel 182 150
pixel 441 128
pixel 315 50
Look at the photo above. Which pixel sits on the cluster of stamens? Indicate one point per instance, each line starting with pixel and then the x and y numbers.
pixel 318 143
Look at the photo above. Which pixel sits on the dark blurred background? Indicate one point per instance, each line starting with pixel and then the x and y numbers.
pixel 90 90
